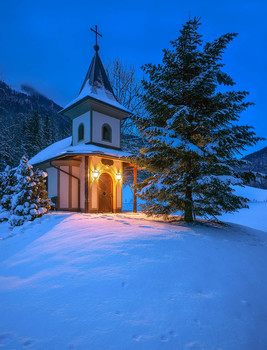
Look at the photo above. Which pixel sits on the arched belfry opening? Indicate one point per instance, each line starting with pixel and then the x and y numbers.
pixel 105 193
pixel 81 132
pixel 106 133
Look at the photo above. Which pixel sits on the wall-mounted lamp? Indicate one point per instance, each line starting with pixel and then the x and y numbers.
pixel 118 177
pixel 95 174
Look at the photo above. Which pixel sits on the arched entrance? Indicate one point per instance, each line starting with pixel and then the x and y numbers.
pixel 105 193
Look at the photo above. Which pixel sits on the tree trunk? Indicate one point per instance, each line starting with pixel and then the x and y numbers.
pixel 188 213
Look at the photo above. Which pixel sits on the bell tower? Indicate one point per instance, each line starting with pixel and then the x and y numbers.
pixel 96 114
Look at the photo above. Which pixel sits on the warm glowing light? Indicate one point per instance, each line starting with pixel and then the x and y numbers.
pixel 118 176
pixel 95 174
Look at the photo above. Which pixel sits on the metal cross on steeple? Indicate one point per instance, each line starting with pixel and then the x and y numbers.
pixel 96 47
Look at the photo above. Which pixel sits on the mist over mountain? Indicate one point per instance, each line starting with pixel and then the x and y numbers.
pixel 29 122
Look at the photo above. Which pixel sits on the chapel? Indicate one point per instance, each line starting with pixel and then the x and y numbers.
pixel 85 171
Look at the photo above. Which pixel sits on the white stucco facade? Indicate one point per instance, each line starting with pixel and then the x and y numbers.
pixel 65 186
pixel 85 120
pixel 52 182
pixel 98 121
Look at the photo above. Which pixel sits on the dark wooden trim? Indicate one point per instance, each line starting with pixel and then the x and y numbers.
pixel 91 124
pixel 102 145
pixel 120 134
pixel 70 187
pixel 70 209
pixel 58 189
pixel 93 211
pixel 135 182
pixel 67 162
pixel 86 184
pixel 67 156
pixel 105 107
pixel 121 190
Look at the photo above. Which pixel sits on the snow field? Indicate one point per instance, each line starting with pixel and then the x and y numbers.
pixel 80 281
pixel 254 217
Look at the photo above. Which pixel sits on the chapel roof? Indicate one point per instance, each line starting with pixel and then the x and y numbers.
pixel 64 148
pixel 96 77
pixel 96 86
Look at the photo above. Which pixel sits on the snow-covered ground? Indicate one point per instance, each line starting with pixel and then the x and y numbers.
pixel 255 216
pixel 80 281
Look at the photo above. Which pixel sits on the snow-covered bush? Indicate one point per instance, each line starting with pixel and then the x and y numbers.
pixel 23 194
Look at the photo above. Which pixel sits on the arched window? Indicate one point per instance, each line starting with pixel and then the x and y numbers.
pixel 81 132
pixel 106 133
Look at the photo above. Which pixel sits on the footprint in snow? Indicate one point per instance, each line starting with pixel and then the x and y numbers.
pixel 137 337
pixel 118 313
pixel 4 336
pixel 171 332
pixel 27 343
pixel 145 226
pixel 163 338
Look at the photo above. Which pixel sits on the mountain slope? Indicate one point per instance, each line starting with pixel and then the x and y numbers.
pixel 17 111
pixel 257 161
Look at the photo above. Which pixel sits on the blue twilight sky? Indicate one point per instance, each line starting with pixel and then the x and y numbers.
pixel 48 44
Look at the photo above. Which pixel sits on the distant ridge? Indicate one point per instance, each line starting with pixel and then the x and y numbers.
pixel 258 162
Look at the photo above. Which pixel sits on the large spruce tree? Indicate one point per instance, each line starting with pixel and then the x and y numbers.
pixel 194 138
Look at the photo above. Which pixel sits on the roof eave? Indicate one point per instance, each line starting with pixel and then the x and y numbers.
pixel 86 98
pixel 94 153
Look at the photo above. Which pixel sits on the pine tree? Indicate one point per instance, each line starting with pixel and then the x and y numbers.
pixel 194 138
pixel 29 199
pixel 4 149
pixel 47 132
pixel 7 182
pixel 33 134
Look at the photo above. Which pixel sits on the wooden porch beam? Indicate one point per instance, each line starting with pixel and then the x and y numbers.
pixel 86 185
pixel 135 191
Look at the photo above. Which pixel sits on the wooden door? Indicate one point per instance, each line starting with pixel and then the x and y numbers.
pixel 105 193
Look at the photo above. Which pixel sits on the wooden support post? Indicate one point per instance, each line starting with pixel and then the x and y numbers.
pixel 135 182
pixel 86 187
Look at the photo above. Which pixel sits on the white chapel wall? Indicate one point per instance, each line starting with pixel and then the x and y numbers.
pixel 64 188
pixel 94 164
pixel 52 181
pixel 85 120
pixel 82 180
pixel 118 204
pixel 74 187
pixel 99 120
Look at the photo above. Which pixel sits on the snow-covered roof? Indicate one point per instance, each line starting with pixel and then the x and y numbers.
pixel 64 147
pixel 96 85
